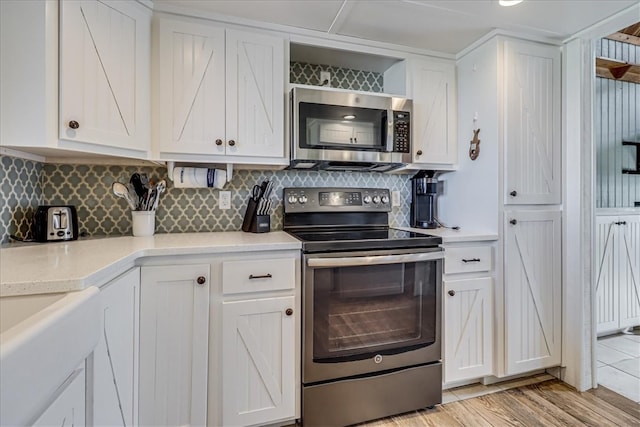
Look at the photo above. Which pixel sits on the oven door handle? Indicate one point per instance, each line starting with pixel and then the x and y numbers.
pixel 374 260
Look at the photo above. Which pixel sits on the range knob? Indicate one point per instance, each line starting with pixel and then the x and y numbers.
pixel 376 199
pixel 366 200
pixel 302 199
pixel 385 199
pixel 292 198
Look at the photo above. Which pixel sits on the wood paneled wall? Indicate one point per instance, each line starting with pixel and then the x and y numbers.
pixel 616 118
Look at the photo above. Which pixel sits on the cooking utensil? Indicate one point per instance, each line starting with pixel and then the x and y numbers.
pixel 138 185
pixel 122 191
pixel 160 187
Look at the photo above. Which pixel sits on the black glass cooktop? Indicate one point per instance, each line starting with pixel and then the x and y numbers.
pixel 362 239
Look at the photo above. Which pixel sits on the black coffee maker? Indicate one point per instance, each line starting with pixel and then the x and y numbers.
pixel 424 188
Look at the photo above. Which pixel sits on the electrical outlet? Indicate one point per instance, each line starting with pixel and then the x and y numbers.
pixel 224 199
pixel 325 76
pixel 395 198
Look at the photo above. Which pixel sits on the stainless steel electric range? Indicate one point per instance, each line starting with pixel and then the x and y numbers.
pixel 371 304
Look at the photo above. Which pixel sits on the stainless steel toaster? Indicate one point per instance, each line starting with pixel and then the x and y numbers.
pixel 55 223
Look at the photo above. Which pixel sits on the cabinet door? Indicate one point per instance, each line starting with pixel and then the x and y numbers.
pixel 468 337
pixel 174 324
pixel 532 123
pixel 607 287
pixel 255 94
pixel 533 290
pixel 434 113
pixel 258 361
pixel 115 358
pixel 68 409
pixel 192 88
pixel 629 268
pixel 104 73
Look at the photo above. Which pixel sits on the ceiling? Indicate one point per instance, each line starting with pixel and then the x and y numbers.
pixel 446 26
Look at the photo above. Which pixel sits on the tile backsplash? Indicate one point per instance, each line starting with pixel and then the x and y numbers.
pixel 25 184
pixel 21 192
pixel 343 78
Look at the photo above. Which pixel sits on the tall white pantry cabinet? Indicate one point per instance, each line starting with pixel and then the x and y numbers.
pixel 510 90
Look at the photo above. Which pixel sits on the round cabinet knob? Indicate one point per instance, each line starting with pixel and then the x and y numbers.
pixel 452 292
pixel 218 141
pixel 74 125
pixel 302 199
pixel 513 222
pixel 366 200
pixel 292 199
pixel 201 280
pixel 288 311
pixel 419 153
pixel 376 199
pixel 385 199
pixel 232 143
pixel 514 193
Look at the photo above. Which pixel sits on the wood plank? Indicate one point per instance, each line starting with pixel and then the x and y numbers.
pixel 551 403
pixel 625 38
pixel 617 70
pixel 571 404
pixel 465 415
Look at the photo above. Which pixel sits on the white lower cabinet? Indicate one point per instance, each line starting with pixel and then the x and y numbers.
pixel 617 272
pixel 258 359
pixel 468 320
pixel 467 311
pixel 114 367
pixel 68 408
pixel 532 290
pixel 255 356
pixel 174 327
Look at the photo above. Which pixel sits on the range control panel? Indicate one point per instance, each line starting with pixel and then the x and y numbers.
pixel 337 200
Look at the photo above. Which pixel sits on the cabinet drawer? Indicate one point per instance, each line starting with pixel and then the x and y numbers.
pixel 467 259
pixel 258 275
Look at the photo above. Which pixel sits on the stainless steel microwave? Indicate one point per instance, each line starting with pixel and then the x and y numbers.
pixel 338 130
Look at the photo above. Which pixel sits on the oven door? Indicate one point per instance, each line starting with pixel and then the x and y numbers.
pixel 370 311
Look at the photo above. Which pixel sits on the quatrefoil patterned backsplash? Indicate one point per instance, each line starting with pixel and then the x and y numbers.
pixel 25 184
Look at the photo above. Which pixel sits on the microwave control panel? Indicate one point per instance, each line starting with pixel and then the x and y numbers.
pixel 401 131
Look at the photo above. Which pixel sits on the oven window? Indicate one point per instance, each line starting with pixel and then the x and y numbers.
pixel 339 127
pixel 376 309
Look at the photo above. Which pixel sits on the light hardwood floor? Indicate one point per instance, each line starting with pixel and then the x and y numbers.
pixel 549 403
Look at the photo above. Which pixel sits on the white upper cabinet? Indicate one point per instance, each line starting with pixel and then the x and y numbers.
pixel 75 77
pixel 433 89
pixel 104 73
pixel 221 94
pixel 192 88
pixel 532 123
pixel 255 94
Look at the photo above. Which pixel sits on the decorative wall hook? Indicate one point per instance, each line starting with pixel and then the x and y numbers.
pixel 474 150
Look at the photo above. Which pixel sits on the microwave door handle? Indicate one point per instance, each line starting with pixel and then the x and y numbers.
pixel 389 145
pixel 374 260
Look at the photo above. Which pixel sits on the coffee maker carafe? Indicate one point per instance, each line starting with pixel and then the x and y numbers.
pixel 424 188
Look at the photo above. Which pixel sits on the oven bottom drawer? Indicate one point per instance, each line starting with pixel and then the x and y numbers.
pixel 352 401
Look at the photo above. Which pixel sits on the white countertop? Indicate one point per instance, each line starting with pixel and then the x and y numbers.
pixel 72 266
pixel 455 236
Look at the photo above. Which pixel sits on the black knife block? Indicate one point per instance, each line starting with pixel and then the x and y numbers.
pixel 254 223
